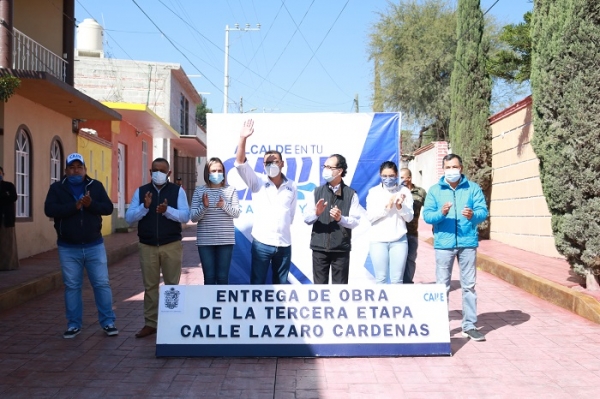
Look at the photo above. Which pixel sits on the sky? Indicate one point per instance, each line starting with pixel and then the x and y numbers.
pixel 307 56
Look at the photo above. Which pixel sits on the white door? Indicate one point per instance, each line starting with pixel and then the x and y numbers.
pixel 121 181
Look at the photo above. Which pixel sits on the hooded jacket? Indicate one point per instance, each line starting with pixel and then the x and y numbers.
pixel 77 227
pixel 454 230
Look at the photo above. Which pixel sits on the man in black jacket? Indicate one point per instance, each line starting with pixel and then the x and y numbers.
pixel 9 258
pixel 335 211
pixel 77 204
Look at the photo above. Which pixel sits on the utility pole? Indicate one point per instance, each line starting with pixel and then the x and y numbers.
pixel 356 103
pixel 241 105
pixel 226 79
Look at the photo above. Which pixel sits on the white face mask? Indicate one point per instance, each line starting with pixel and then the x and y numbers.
pixel 159 178
pixel 452 175
pixel 327 175
pixel 272 170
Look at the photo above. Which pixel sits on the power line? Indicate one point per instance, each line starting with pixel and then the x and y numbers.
pixel 173 44
pixel 318 47
pixel 236 60
pixel 317 58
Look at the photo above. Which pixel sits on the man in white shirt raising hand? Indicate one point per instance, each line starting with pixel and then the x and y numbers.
pixel 274 204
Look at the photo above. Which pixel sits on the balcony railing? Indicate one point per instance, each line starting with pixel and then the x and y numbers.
pixel 32 56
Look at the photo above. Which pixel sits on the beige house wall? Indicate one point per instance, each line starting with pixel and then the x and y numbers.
pixel 35 234
pixel 41 20
pixel 518 209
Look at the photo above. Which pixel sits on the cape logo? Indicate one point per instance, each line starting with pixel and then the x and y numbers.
pixel 172 298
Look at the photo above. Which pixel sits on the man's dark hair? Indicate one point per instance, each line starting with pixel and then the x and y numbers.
pixel 450 157
pixel 162 160
pixel 407 170
pixel 270 152
pixel 388 165
pixel 1 170
pixel 341 163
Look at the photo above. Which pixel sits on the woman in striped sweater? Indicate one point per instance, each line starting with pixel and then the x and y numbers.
pixel 214 206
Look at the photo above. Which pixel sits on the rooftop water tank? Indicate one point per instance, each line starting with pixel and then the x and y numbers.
pixel 89 39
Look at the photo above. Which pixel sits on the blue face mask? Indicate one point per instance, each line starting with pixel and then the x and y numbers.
pixel 215 178
pixel 389 181
pixel 75 179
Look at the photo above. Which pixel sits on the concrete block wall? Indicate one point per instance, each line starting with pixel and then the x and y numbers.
pixel 139 82
pixel 518 209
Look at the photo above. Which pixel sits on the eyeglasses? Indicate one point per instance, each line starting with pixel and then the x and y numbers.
pixel 329 167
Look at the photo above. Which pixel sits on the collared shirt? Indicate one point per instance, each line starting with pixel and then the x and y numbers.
pixel 274 208
pixel 137 210
pixel 349 222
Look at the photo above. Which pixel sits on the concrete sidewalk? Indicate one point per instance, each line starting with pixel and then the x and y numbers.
pixel 548 278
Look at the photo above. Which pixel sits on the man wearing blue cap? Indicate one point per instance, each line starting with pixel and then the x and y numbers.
pixel 77 203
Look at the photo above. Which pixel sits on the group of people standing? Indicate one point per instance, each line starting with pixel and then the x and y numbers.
pixel 454 207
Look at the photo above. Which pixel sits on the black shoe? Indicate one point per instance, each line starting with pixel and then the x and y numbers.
pixel 474 335
pixel 71 332
pixel 111 330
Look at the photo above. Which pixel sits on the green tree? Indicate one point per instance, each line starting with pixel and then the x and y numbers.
pixel 565 82
pixel 512 62
pixel 201 111
pixel 412 45
pixel 471 91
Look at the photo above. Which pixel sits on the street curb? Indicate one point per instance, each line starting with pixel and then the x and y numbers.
pixel 576 302
pixel 22 293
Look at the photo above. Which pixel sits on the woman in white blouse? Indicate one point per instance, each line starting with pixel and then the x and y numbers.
pixel 214 206
pixel 389 208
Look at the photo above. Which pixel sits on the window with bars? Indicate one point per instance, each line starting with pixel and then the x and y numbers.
pixel 184 115
pixel 56 161
pixel 22 172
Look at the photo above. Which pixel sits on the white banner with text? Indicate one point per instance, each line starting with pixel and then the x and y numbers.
pixel 303 320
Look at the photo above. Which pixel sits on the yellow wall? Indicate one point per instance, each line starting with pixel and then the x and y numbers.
pixel 98 161
pixel 41 20
pixel 36 234
pixel 518 209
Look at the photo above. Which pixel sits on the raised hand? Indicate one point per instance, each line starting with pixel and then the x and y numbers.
pixel 162 208
pixel 147 199
pixel 205 200
pixel 247 129
pixel 320 206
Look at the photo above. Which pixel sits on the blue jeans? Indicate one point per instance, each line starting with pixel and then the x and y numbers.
pixel 411 259
pixel 93 259
pixel 216 260
pixel 263 255
pixel 389 259
pixel 444 260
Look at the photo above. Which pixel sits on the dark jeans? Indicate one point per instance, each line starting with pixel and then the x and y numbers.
pixel 411 259
pixel 339 262
pixel 263 255
pixel 215 260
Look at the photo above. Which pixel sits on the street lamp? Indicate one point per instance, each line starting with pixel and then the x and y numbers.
pixel 226 80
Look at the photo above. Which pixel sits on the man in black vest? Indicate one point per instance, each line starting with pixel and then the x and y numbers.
pixel 334 214
pixel 159 207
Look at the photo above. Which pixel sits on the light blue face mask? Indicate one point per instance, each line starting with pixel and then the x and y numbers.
pixel 75 179
pixel 215 178
pixel 389 182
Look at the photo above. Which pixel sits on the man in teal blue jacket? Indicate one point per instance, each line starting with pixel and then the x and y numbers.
pixel 455 206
